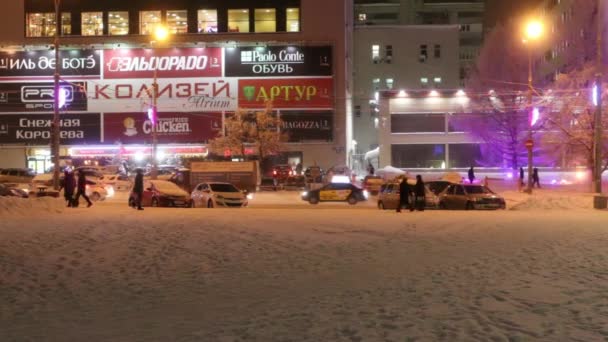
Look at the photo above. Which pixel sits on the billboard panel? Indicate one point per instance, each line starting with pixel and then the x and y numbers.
pixel 136 128
pixel 285 93
pixel 166 63
pixel 306 126
pixel 40 97
pixel 41 63
pixel 278 61
pixel 36 128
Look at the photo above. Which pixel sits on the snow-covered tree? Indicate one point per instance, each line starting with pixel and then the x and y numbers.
pixel 255 131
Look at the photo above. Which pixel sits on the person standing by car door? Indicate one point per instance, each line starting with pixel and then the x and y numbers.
pixel 138 188
pixel 419 194
pixel 404 194
pixel 82 189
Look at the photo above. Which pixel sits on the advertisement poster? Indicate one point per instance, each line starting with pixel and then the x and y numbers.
pixel 40 97
pixel 286 93
pixel 136 128
pixel 35 129
pixel 278 61
pixel 166 63
pixel 307 126
pixel 41 63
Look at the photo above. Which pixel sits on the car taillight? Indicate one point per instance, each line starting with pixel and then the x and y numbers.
pixel 274 173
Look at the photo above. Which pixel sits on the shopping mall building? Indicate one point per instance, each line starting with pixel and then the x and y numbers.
pixel 221 56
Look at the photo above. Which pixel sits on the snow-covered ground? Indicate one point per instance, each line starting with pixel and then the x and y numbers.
pixel 283 270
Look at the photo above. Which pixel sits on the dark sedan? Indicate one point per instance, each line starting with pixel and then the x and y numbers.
pixel 336 192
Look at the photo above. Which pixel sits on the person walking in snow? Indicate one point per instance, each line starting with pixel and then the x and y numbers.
pixel 404 194
pixel 69 183
pixel 471 175
pixel 138 188
pixel 521 177
pixel 419 195
pixel 535 179
pixel 82 189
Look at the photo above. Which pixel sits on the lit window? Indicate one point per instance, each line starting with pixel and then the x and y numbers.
pixel 376 83
pixel 389 83
pixel 265 20
pixel 66 24
pixel 92 23
pixel 423 54
pixel 375 53
pixel 118 23
pixel 148 20
pixel 437 79
pixel 293 20
pixel 362 17
pixel 424 80
pixel 177 21
pixel 207 21
pixel 40 24
pixel 238 20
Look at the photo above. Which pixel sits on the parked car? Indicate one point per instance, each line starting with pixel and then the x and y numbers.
pixel 268 184
pixel 372 184
pixel 314 174
pixel 468 197
pixel 438 186
pixel 161 193
pixel 118 182
pixel 16 175
pixel 388 198
pixel 295 183
pixel 11 190
pixel 96 191
pixel 336 192
pixel 218 194
pixel 282 172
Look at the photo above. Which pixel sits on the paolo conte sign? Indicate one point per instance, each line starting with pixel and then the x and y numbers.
pixel 276 61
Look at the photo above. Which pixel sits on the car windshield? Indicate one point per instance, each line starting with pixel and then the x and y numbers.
pixel 477 189
pixel 223 188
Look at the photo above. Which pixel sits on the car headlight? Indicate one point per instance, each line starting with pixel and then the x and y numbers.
pixel 250 196
pixel 304 193
pixel 365 194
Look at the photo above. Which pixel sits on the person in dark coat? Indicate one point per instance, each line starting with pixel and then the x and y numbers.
pixel 371 169
pixel 82 189
pixel 138 188
pixel 471 175
pixel 521 176
pixel 404 194
pixel 535 179
pixel 69 183
pixel 419 194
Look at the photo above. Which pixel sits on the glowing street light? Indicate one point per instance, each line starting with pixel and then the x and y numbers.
pixel 534 30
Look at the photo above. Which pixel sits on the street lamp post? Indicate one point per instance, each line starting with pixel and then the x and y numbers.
pixel 160 34
pixel 55 125
pixel 534 30
pixel 597 119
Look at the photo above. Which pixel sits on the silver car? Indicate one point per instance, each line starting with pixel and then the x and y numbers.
pixel 469 197
pixel 218 194
pixel 388 197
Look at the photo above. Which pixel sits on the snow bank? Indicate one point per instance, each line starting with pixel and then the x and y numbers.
pixel 540 200
pixel 15 206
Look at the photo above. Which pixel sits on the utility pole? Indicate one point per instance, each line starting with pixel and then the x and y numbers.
pixel 597 119
pixel 530 141
pixel 55 125
pixel 154 173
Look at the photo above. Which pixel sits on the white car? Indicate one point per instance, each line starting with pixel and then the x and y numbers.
pixel 118 182
pixel 97 191
pixel 217 194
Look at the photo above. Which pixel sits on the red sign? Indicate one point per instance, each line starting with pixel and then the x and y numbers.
pixel 136 128
pixel 303 93
pixel 529 143
pixel 168 63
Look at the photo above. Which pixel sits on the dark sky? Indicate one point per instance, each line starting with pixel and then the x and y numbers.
pixel 501 10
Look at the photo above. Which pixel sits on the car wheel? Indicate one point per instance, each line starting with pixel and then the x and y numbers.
pixel 381 205
pixel 442 205
pixel 95 196
pixel 352 200
pixel 155 202
pixel 469 206
pixel 313 200
pixel 210 204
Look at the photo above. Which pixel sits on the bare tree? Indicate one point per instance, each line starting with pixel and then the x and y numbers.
pixel 257 130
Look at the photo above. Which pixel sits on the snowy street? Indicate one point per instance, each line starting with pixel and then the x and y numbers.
pixel 110 273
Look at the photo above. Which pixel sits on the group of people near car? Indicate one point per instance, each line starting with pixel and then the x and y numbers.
pixel 74 183
pixel 418 192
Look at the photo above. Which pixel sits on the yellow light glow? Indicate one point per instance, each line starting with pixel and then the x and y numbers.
pixel 161 33
pixel 534 30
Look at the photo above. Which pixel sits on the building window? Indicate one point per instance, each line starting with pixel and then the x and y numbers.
pixel 437 80
pixel 389 53
pixel 376 83
pixel 118 23
pixel 424 80
pixel 464 155
pixel 66 24
pixel 418 156
pixel 376 53
pixel 177 21
pixel 265 20
pixel 92 23
pixel 40 24
pixel 389 83
pixel 423 54
pixel 358 111
pixel 293 20
pixel 362 17
pixel 207 21
pixel 437 51
pixel 148 20
pixel 238 20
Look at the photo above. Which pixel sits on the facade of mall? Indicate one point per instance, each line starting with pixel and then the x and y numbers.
pixel 221 56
